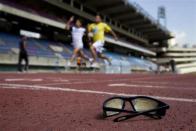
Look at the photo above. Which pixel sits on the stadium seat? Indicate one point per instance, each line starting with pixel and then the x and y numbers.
pixel 50 49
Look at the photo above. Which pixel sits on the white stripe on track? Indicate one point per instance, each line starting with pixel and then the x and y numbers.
pixel 149 86
pixel 22 79
pixel 90 81
pixel 166 83
pixel 34 87
pixel 162 84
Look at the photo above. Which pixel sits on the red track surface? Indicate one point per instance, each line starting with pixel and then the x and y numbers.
pixel 27 102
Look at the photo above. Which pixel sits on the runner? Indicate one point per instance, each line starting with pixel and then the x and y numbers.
pixel 98 30
pixel 77 32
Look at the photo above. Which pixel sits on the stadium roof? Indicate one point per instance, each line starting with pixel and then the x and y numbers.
pixel 130 15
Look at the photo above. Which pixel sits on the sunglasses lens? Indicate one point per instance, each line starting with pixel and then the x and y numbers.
pixel 113 103
pixel 144 104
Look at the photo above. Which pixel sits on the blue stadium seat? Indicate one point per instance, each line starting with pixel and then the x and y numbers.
pixel 42 48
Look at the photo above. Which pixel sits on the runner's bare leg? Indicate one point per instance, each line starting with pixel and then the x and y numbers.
pixel 81 53
pixel 94 53
pixel 102 56
pixel 75 53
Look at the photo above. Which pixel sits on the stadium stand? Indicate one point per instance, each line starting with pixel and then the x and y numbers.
pixel 49 21
pixel 184 58
pixel 48 49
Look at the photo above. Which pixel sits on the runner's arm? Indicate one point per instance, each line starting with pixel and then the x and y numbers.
pixel 108 29
pixel 114 35
pixel 89 32
pixel 68 24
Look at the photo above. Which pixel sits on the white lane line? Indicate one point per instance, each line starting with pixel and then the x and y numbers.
pixel 22 79
pixel 89 81
pixel 84 82
pixel 34 87
pixel 34 80
pixel 59 80
pixel 166 83
pixel 149 86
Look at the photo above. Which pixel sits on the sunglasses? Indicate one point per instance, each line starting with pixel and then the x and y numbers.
pixel 134 106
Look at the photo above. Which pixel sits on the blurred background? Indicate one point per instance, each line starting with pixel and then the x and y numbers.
pixel 148 38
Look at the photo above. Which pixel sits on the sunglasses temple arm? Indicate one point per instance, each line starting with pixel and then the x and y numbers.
pixel 125 117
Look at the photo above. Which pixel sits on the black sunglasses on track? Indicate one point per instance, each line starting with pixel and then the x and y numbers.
pixel 138 105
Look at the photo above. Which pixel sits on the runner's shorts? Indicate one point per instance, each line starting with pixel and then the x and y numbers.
pixel 98 45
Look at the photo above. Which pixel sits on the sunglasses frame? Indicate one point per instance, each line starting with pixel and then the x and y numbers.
pixel 158 113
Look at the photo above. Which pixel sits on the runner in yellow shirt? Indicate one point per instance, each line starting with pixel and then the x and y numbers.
pixel 98 30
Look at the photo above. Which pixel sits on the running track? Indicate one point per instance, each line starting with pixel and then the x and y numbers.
pixel 73 102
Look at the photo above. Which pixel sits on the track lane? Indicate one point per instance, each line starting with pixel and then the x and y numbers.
pixel 44 110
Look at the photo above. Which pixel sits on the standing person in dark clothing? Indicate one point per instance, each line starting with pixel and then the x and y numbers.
pixel 173 66
pixel 23 54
